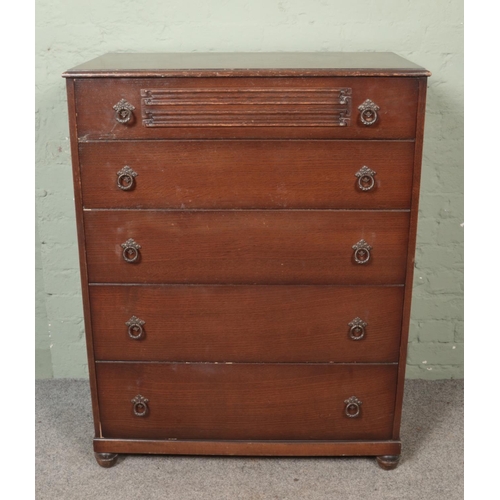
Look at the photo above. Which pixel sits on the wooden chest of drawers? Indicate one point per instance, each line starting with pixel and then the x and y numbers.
pixel 247 228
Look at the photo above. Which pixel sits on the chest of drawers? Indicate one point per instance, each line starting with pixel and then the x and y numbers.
pixel 247 228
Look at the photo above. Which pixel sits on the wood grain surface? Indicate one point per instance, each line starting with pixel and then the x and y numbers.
pixel 267 448
pixel 247 174
pixel 247 323
pixel 396 98
pixel 246 247
pixel 246 401
pixel 259 64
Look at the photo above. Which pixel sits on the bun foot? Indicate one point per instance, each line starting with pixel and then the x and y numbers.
pixel 106 459
pixel 388 462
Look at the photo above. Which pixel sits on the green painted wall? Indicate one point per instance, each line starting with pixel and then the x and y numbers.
pixel 428 32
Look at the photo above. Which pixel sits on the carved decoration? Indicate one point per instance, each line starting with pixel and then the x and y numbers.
pixel 246 107
pixel 345 96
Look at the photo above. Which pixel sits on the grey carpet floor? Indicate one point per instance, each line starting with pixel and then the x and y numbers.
pixel 431 463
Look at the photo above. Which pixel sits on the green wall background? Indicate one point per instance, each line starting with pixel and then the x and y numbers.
pixel 428 32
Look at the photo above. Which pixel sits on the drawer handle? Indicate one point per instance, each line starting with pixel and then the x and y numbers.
pixel 130 250
pixel 353 407
pixel 357 331
pixel 123 111
pixel 125 179
pixel 369 115
pixel 362 252
pixel 366 180
pixel 141 408
pixel 135 330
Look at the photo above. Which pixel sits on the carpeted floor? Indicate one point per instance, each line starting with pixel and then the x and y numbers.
pixel 431 463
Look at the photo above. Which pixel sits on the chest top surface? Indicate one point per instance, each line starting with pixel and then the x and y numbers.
pixel 248 64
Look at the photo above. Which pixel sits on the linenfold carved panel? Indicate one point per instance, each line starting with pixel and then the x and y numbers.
pixel 252 107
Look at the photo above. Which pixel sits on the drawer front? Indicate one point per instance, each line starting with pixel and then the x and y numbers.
pixel 247 174
pixel 245 401
pixel 246 323
pixel 154 108
pixel 246 247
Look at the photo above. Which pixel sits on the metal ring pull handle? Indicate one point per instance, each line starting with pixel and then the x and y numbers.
pixel 141 408
pixel 368 110
pixel 357 330
pixel 125 179
pixel 366 180
pixel 353 407
pixel 362 252
pixel 130 250
pixel 135 328
pixel 123 111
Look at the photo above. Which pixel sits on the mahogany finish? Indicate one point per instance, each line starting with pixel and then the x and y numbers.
pixel 247 323
pixel 291 117
pixel 270 448
pixel 405 327
pixel 247 174
pixel 70 88
pixel 246 401
pixel 252 247
pixel 259 64
pixel 232 184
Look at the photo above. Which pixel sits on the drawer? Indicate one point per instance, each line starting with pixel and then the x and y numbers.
pixel 155 108
pixel 246 174
pixel 245 247
pixel 245 401
pixel 247 323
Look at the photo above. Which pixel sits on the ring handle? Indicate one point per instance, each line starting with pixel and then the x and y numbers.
pixel 130 250
pixel 368 112
pixel 123 111
pixel 353 407
pixel 366 180
pixel 125 179
pixel 357 330
pixel 141 408
pixel 135 328
pixel 362 252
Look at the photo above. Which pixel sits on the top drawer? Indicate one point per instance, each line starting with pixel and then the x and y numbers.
pixel 315 107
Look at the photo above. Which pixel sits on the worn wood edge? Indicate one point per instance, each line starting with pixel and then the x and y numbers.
pixel 248 448
pixel 308 363
pixel 80 227
pixel 410 266
pixel 189 210
pixel 83 140
pixel 94 284
pixel 93 139
pixel 236 73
